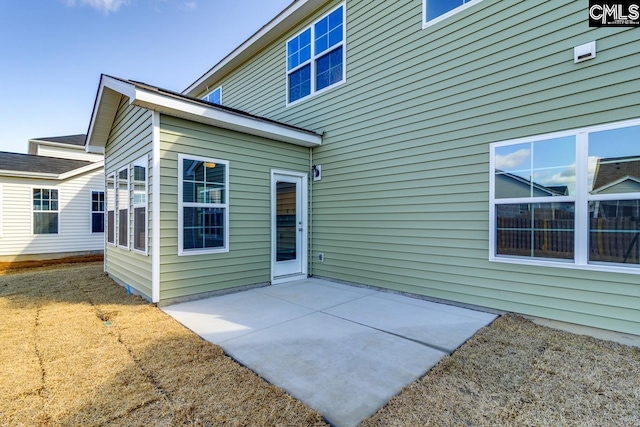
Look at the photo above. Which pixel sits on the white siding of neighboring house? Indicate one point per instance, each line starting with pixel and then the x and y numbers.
pixel 74 226
pixel 67 153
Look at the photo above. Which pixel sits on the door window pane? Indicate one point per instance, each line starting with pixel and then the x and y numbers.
pixel 286 221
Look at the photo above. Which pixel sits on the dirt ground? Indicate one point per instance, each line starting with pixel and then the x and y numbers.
pixel 76 350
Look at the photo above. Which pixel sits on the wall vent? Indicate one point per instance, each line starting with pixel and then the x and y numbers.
pixel 584 52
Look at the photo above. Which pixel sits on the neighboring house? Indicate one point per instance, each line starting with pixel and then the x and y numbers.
pixel 51 200
pixel 407 115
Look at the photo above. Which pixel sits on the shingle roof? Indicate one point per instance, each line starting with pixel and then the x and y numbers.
pixel 612 169
pixel 38 164
pixel 77 140
pixel 177 95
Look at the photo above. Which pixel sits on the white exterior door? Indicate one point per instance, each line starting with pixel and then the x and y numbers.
pixel 288 225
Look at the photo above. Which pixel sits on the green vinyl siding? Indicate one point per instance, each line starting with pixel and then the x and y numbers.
pixel 251 160
pixel 131 138
pixel 404 198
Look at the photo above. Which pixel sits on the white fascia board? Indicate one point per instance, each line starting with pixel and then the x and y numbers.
pixel 98 132
pixel 25 174
pixel 222 118
pixel 56 144
pixel 290 16
pixel 84 169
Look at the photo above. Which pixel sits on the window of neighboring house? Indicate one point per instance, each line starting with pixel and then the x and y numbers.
pixel 45 211
pixel 140 189
pixel 572 197
pixel 97 211
pixel 436 10
pixel 214 96
pixel 203 216
pixel 123 207
pixel 111 208
pixel 316 56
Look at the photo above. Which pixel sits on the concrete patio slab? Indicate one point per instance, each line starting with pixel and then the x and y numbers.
pixel 343 350
pixel 397 314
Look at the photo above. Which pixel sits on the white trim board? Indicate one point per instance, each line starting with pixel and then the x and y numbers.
pixel 111 90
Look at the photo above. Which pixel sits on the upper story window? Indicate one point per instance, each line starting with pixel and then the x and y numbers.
pixel 316 56
pixel 203 212
pixel 215 96
pixel 436 10
pixel 570 199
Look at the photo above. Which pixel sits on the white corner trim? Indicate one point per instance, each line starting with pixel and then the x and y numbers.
pixel 155 213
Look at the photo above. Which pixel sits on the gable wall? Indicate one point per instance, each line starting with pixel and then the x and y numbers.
pixel 251 160
pixel 404 198
pixel 131 138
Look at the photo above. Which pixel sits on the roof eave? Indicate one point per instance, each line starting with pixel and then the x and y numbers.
pixel 294 13
pixel 224 119
pixel 109 97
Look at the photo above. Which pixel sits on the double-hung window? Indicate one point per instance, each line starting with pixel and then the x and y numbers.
pixel 203 216
pixel 97 211
pixel 111 208
pixel 123 207
pixel 316 56
pixel 214 96
pixel 436 10
pixel 140 205
pixel 45 211
pixel 571 198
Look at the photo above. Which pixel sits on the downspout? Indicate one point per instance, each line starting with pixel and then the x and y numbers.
pixel 310 219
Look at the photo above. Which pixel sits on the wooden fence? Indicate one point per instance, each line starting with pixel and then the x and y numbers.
pixel 610 239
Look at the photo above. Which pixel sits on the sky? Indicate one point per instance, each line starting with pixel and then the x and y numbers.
pixel 52 53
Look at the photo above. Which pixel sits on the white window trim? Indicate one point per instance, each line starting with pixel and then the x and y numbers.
pixel 206 95
pixel 582 198
pixel 143 161
pixel 181 205
pixel 58 211
pixel 128 193
pixel 91 211
pixel 111 176
pixel 315 57
pixel 444 16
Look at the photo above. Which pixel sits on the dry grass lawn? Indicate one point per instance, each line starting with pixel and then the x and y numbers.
pixel 76 350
